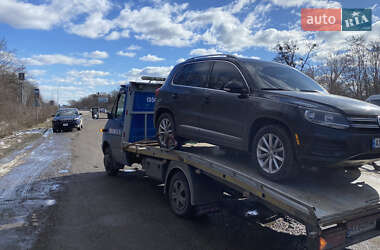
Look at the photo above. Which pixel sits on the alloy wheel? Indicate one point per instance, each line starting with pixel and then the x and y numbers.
pixel 270 153
pixel 165 131
pixel 178 195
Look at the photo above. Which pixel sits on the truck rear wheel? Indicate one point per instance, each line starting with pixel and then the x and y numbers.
pixel 112 167
pixel 180 196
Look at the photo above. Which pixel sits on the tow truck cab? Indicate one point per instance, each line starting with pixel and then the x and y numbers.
pixel 131 118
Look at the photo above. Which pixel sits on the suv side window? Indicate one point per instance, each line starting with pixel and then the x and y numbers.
pixel 120 106
pixel 193 74
pixel 223 73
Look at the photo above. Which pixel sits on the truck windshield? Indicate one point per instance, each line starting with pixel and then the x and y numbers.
pixel 273 76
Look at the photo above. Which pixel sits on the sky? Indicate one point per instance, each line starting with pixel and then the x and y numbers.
pixel 73 48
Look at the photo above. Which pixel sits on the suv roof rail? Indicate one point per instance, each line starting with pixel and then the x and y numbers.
pixel 212 55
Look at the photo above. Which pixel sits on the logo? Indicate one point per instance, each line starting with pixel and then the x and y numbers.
pixel 356 19
pixel 336 19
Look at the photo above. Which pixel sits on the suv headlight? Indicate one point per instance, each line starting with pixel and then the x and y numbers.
pixel 325 118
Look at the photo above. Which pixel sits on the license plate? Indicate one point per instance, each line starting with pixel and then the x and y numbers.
pixel 376 143
pixel 360 228
pixel 65 124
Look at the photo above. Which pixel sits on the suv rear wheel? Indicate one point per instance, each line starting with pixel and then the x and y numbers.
pixel 166 132
pixel 272 152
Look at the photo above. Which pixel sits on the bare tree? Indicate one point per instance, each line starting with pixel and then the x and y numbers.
pixel 357 76
pixel 289 53
pixel 335 66
pixel 374 65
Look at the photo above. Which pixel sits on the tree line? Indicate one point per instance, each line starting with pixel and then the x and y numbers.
pixel 92 100
pixel 17 102
pixel 351 71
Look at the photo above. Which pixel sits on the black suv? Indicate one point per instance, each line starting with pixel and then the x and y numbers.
pixel 67 119
pixel 278 114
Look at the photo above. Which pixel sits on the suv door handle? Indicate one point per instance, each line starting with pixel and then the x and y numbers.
pixel 175 96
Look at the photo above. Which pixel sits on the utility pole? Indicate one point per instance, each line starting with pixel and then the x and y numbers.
pixel 21 78
pixel 36 100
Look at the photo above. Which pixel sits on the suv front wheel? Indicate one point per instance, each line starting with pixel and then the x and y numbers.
pixel 272 152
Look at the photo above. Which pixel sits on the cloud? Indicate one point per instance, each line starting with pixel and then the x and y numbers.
pixel 125 53
pixel 89 78
pixel 49 59
pixel 27 16
pixel 65 93
pixel 135 73
pixel 37 72
pixel 307 3
pixel 181 60
pixel 95 26
pixel 87 73
pixel 115 35
pixel 151 58
pixel 159 25
pixel 133 47
pixel 202 52
pixel 96 54
pixel 50 14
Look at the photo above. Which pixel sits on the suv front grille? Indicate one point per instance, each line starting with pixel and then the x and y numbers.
pixel 364 122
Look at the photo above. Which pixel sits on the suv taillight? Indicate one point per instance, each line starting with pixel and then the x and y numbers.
pixel 156 92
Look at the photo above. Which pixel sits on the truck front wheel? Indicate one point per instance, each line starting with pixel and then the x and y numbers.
pixel 179 196
pixel 112 167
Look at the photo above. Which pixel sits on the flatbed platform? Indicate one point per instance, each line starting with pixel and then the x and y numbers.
pixel 318 198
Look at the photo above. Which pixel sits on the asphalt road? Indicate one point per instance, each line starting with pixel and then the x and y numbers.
pixel 91 210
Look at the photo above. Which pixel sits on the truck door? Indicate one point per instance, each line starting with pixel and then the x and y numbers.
pixel 115 128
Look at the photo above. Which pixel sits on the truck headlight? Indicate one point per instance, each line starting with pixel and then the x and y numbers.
pixel 328 119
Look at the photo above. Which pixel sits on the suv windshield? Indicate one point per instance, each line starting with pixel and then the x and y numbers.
pixel 273 76
pixel 67 113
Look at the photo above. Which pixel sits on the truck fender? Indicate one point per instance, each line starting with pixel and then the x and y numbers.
pixel 203 189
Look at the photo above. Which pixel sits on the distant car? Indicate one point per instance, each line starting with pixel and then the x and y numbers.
pixel 67 119
pixel 95 113
pixel 374 99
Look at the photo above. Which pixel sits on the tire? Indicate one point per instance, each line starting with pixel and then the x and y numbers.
pixel 111 167
pixel 166 132
pixel 180 196
pixel 272 166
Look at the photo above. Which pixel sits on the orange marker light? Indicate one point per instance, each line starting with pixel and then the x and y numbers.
pixel 322 243
pixel 297 139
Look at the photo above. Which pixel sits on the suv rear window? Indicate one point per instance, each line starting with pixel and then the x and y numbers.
pixel 223 73
pixel 193 74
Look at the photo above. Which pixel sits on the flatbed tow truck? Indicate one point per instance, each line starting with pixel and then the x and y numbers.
pixel 338 207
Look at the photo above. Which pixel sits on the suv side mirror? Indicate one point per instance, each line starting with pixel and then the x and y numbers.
pixel 80 113
pixel 52 115
pixel 109 115
pixel 235 87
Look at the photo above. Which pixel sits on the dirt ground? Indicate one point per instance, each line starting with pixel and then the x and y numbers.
pixel 72 204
